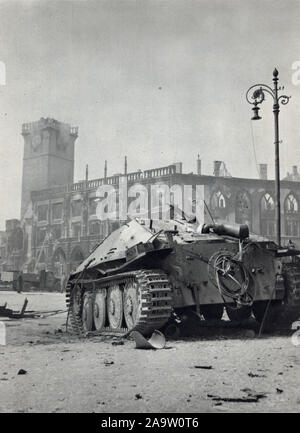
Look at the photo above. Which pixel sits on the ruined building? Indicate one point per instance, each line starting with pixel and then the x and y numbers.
pixel 59 226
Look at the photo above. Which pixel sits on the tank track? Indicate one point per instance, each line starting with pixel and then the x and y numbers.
pixel 155 295
pixel 73 318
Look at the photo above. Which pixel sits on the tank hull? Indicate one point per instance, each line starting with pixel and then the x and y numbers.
pixel 197 269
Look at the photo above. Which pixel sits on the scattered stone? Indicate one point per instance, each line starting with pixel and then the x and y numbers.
pixel 256 375
pixel 138 396
pixel 107 363
pixel 21 371
pixel 279 391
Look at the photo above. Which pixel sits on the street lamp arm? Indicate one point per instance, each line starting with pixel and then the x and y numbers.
pixel 284 99
pixel 258 93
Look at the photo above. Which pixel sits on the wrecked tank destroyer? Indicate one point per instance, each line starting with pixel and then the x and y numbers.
pixel 147 271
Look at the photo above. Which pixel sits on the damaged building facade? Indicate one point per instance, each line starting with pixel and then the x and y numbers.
pixel 59 227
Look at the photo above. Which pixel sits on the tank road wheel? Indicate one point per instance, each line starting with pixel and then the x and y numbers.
pixel 212 312
pixel 132 304
pixel 100 309
pixel 238 314
pixel 115 307
pixel 87 312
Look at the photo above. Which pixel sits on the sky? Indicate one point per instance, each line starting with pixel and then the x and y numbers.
pixel 160 81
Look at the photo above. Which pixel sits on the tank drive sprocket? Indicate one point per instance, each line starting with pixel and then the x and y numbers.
pixel 139 300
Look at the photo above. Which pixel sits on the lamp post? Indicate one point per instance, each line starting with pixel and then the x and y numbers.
pixel 256 95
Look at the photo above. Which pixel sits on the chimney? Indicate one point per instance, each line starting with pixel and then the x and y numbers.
pixel 295 170
pixel 87 172
pixel 125 166
pixel 178 167
pixel 263 171
pixel 105 169
pixel 198 165
pixel 217 166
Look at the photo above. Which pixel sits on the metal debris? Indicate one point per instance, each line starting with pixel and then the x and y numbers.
pixel 157 340
pixel 23 314
pixel 205 367
pixel 252 397
pixel 5 312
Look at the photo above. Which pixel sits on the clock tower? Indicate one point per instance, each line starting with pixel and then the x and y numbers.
pixel 48 156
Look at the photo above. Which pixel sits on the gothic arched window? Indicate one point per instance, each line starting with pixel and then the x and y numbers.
pixel 291 204
pixel 243 208
pixel 291 216
pixel 267 203
pixel 267 215
pixel 218 200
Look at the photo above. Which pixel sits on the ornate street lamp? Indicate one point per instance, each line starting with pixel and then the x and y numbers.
pixel 256 95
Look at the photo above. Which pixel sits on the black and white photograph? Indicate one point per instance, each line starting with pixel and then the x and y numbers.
pixel 149 209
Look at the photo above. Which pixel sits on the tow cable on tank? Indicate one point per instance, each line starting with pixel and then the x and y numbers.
pixel 224 268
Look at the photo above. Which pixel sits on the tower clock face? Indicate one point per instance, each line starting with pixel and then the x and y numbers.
pixel 36 141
